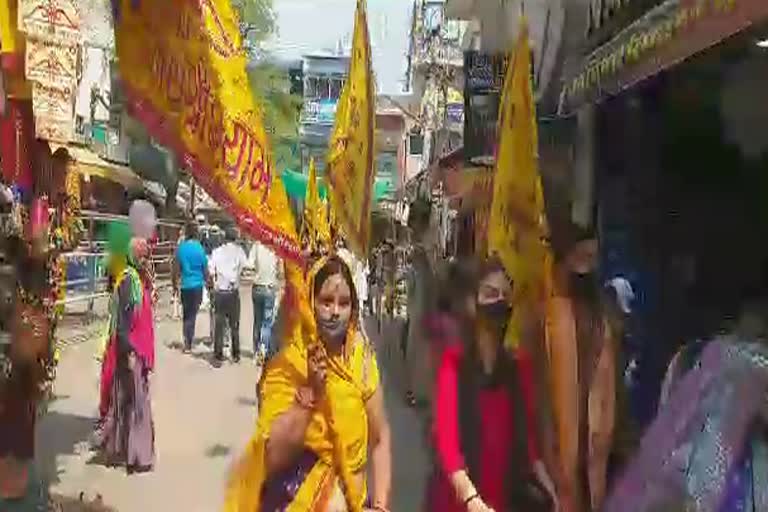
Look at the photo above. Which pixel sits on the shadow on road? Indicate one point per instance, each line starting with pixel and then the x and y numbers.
pixel 218 450
pixel 246 402
pixel 58 435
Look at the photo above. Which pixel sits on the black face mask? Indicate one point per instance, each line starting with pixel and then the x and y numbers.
pixel 495 314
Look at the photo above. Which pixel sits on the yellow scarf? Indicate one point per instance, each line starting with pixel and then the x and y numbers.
pixel 338 432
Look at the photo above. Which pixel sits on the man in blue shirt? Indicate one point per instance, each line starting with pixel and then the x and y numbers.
pixel 193 268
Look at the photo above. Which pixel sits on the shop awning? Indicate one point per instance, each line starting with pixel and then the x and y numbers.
pixel 89 163
pixel 663 37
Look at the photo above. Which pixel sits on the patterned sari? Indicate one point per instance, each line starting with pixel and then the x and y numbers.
pixel 336 442
pixel 706 451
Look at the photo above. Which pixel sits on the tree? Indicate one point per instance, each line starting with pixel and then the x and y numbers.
pixel 271 87
pixel 257 21
pixel 270 84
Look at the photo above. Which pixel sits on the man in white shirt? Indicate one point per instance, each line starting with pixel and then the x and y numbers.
pixel 267 286
pixel 226 266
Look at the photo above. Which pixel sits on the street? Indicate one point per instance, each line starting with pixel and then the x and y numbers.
pixel 203 418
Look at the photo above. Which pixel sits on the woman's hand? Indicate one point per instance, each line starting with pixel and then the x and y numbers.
pixel 478 505
pixel 132 361
pixel 542 475
pixel 317 370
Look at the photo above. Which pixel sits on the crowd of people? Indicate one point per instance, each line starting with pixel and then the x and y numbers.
pixel 217 273
pixel 542 427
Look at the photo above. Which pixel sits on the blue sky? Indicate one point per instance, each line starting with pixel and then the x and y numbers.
pixel 306 26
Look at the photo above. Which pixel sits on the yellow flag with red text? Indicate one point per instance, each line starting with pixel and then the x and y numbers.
pixel 351 171
pixel 517 230
pixel 183 69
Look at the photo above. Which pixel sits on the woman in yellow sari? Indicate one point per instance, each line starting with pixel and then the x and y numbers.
pixel 321 413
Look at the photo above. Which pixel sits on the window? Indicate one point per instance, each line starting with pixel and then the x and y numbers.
pixel 415 144
pixel 312 87
pixel 336 86
pixel 433 16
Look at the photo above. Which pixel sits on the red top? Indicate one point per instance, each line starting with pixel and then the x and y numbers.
pixel 496 430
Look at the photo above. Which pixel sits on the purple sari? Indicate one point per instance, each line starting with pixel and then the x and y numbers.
pixel 700 454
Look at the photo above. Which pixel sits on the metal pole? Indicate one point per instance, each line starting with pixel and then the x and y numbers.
pixel 192 196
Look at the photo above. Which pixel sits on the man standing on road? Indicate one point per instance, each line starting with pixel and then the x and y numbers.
pixel 226 267
pixel 267 284
pixel 193 268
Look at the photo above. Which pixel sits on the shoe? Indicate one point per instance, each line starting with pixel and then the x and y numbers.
pixel 236 359
pixel 186 350
pixel 217 362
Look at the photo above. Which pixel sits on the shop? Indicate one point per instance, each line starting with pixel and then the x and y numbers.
pixel 679 153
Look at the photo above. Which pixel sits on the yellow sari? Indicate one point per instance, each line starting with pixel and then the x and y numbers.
pixel 338 432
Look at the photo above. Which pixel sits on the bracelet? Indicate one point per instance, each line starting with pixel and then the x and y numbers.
pixel 471 498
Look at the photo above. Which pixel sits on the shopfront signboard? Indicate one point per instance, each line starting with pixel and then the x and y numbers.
pixel 320 111
pixel 664 36
pixel 484 79
pixel 455 114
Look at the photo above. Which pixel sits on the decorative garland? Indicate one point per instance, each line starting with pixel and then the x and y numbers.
pixel 67 230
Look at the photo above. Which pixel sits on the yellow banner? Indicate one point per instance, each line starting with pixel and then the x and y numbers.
pixel 350 164
pixel 517 228
pixel 183 70
pixel 315 212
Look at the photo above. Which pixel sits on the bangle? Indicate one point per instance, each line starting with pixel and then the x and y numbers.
pixel 471 498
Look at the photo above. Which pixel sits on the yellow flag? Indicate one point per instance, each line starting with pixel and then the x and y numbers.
pixel 517 228
pixel 315 212
pixel 350 164
pixel 184 73
pixel 11 40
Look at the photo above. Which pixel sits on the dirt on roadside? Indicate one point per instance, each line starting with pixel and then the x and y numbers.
pixel 66 504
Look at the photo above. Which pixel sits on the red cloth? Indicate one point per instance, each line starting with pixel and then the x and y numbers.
pixel 108 367
pixel 142 337
pixel 17 136
pixel 142 333
pixel 497 430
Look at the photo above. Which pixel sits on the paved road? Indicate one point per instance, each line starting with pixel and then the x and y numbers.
pixel 203 417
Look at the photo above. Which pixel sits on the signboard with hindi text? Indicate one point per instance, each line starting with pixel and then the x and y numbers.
pixel 483 81
pixel 664 36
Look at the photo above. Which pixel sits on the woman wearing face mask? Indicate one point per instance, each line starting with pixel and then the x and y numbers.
pixel 582 373
pixel 321 414
pixel 480 388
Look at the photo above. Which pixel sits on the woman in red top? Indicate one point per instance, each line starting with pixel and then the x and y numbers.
pixel 479 387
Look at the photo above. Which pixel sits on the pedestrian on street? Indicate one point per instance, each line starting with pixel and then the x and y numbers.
pixel 126 434
pixel 193 267
pixel 322 426
pixel 582 371
pixel 481 390
pixel 267 286
pixel 226 268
